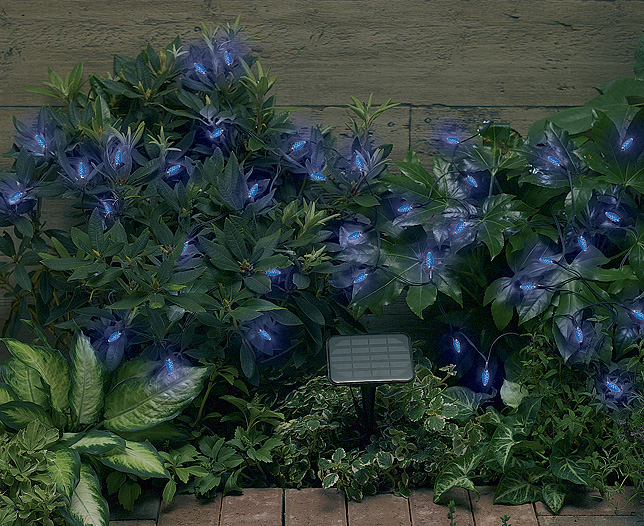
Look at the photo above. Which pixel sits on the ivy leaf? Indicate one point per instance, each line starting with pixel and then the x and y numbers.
pixel 456 473
pixel 514 488
pixel 566 467
pixel 462 402
pixel 500 213
pixel 553 495
pixel 419 297
pixel 501 444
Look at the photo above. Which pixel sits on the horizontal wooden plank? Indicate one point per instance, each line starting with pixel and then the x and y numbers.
pixel 453 52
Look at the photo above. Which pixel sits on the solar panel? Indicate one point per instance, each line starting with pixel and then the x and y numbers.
pixel 369 358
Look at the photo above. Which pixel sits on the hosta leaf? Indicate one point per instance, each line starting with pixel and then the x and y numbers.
pixel 88 505
pixel 553 495
pixel 65 471
pixel 96 442
pixel 140 403
pixel 51 366
pixel 137 458
pixel 86 394
pixel 514 488
pixel 456 473
pixel 17 415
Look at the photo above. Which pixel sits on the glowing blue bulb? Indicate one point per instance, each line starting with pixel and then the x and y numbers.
pixel 81 170
pixel 627 144
pixel 612 386
pixel 579 335
pixel 114 336
pixel 174 169
pixel 15 197
pixel 273 272
pixel 169 366
pixel 118 158
pixel 471 181
pixel 583 244
pixel 485 377
pixel 405 208
pixel 612 216
pixel 545 259
pixel 360 163
pixel 318 177
pixel 264 335
pixel 554 160
pixel 429 260
pixel 453 140
pixel 459 227
pixel 41 142
pixel 217 133
pixel 200 68
pixel 298 146
pixel 228 59
pixel 253 191
pixel 185 247
pixel 638 314
pixel 456 344
pixel 107 207
pixel 527 286
pixel 354 235
pixel 360 277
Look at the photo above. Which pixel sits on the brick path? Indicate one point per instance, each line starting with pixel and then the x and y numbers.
pixel 317 507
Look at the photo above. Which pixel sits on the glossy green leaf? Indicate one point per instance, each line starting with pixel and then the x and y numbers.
pixel 65 471
pixel 500 214
pixel 6 394
pixel 17 415
pixel 96 442
pixel 553 495
pixel 86 394
pixel 51 366
pixel 515 488
pixel 88 505
pixel 140 403
pixel 567 467
pixel 25 382
pixel 526 415
pixel 456 473
pixel 512 393
pixel 419 297
pixel 137 458
pixel 501 445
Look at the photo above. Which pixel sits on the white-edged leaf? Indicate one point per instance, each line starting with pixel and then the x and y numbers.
pixel 86 395
pixel 88 505
pixel 330 480
pixel 137 458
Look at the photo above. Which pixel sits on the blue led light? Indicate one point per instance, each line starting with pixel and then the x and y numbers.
pixel 627 144
pixel 360 277
pixel 405 208
pixel 114 336
pixel 471 181
pixel 459 227
pixel 298 146
pixel 545 259
pixel 174 169
pixel 41 142
pixel 429 260
pixel 612 216
pixel 612 386
pixel 264 335
pixel 82 172
pixel 638 314
pixel 554 160
pixel 217 133
pixel 353 236
pixel 527 286
pixel 579 335
pixel 118 158
pixel 169 366
pixel 485 377
pixel 318 177
pixel 15 197
pixel 107 207
pixel 228 59
pixel 456 344
pixel 185 247
pixel 273 272
pixel 200 68
pixel 583 244
pixel 360 163
pixel 253 191
pixel 453 140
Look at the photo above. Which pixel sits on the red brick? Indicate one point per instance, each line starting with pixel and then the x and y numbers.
pixel 585 502
pixel 380 510
pixel 256 507
pixel 186 510
pixel 425 513
pixel 488 514
pixel 313 507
